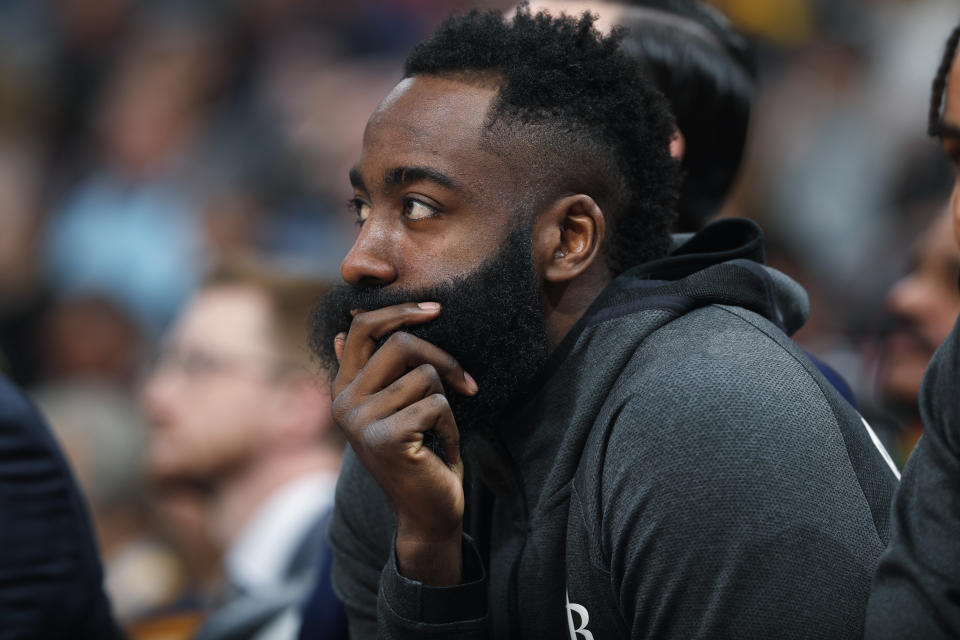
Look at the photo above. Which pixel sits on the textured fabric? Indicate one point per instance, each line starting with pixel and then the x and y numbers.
pixel 916 593
pixel 681 470
pixel 50 574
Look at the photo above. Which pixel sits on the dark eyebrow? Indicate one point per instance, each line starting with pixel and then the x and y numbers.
pixel 406 175
pixel 356 180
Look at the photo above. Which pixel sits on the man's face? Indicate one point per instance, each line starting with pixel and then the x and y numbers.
pixel 432 202
pixel 210 397
pixel 925 304
pixel 439 222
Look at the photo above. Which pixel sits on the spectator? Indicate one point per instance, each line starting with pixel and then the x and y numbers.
pixel 236 406
pixel 924 305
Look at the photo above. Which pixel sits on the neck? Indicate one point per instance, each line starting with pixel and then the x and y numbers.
pixel 239 495
pixel 565 303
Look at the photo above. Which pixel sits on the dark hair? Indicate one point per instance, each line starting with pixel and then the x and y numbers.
pixel 707 72
pixel 578 108
pixel 940 82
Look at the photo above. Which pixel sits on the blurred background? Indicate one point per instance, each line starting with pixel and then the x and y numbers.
pixel 142 142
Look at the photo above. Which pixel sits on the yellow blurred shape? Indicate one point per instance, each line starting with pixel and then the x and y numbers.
pixel 786 22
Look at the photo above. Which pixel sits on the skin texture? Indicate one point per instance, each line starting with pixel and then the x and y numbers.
pixel 926 304
pixel 419 232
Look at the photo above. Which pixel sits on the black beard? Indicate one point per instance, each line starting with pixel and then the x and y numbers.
pixel 491 321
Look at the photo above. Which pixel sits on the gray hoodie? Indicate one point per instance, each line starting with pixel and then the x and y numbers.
pixel 680 470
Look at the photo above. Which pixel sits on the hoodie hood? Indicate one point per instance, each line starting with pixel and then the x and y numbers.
pixel 721 264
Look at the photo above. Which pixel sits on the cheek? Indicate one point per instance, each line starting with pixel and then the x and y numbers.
pixel 215 429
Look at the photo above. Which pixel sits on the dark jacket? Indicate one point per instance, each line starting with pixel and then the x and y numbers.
pixel 681 470
pixel 916 593
pixel 50 573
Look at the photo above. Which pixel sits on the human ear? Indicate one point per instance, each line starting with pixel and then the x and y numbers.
pixel 678 145
pixel 568 236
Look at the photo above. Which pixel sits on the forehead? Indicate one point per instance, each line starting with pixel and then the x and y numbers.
pixel 435 122
pixel 224 317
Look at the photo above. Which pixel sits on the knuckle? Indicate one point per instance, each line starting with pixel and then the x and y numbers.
pixel 429 373
pixel 451 362
pixel 346 412
pixel 361 323
pixel 401 340
pixel 354 415
pixel 438 402
pixel 340 408
pixel 398 385
pixel 375 435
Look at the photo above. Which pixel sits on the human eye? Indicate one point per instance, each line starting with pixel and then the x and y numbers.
pixel 417 210
pixel 198 363
pixel 360 208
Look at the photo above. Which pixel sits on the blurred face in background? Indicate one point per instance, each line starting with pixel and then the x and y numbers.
pixel 210 398
pixel 925 304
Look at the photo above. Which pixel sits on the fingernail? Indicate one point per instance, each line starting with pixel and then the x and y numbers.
pixel 340 337
pixel 471 383
pixel 428 306
pixel 354 312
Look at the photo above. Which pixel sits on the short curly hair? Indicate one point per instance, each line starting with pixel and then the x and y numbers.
pixel 587 118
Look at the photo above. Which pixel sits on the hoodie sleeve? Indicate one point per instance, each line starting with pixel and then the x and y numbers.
pixel 379 602
pixel 915 590
pixel 729 504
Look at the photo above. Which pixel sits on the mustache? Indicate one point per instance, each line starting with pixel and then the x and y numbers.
pixel 334 315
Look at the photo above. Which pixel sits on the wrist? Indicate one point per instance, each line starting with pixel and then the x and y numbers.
pixel 433 560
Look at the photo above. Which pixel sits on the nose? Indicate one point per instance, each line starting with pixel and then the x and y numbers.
pixel 369 261
pixel 910 297
pixel 157 394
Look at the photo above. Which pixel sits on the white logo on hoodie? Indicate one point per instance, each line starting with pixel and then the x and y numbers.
pixel 578 631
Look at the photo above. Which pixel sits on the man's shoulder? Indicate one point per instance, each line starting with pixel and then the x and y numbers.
pixel 718 410
pixel 718 354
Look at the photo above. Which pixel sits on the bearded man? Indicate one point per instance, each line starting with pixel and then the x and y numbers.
pixel 556 429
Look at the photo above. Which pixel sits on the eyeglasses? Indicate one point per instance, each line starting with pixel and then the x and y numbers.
pixel 199 364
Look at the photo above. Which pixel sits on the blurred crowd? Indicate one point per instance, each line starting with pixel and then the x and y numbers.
pixel 145 142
